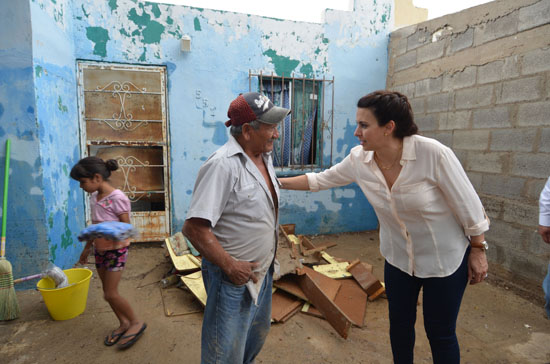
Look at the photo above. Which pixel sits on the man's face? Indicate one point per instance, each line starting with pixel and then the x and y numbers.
pixel 262 139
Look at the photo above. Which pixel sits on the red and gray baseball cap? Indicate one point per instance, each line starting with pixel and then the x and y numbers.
pixel 254 106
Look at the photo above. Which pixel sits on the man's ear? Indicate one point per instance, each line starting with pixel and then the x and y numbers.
pixel 245 131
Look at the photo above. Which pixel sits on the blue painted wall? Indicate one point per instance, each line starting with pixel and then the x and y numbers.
pixel 351 46
pixel 26 245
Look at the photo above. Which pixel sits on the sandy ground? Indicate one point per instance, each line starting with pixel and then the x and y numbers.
pixel 496 325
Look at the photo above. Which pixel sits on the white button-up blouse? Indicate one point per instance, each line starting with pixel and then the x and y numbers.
pixel 426 216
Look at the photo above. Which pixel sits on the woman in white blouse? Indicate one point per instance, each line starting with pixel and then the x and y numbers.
pixel 431 220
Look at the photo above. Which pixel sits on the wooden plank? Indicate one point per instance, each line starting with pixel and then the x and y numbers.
pixel 182 263
pixel 195 284
pixel 334 315
pixel 333 270
pixel 289 284
pixel 319 248
pixel 368 281
pixel 352 300
pixel 283 305
pixel 328 285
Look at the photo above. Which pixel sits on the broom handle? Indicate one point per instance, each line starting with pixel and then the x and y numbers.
pixel 5 199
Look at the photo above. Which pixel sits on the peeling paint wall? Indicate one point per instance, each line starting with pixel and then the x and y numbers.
pixel 351 46
pixel 26 246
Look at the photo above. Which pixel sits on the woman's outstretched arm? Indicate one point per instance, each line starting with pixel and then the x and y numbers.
pixel 295 183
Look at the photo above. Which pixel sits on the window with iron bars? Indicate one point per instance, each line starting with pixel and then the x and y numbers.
pixel 305 136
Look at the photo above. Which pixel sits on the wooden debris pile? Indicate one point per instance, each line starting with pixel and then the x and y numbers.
pixel 308 280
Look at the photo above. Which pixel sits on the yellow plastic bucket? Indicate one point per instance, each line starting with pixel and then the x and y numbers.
pixel 68 302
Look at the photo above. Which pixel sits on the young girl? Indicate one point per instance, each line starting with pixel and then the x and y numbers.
pixel 109 204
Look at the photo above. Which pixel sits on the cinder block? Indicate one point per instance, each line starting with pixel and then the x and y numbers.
pixel 523 213
pixel 536 61
pixel 494 206
pixel 404 32
pixel 439 102
pixel 524 89
pixel 513 140
pixel 526 265
pixel 462 41
pixel 533 188
pixel 471 139
pixel 454 120
pixel 461 79
pixel 493 117
pixel 511 67
pixel 534 114
pixel 544 146
pixel 497 28
pixel 462 156
pixel 444 137
pixel 535 245
pixel 430 51
pixel 490 72
pixel 475 179
pixel 490 162
pixel 406 89
pixel 428 86
pixel 399 46
pixel 418 105
pixel 530 165
pixel 419 38
pixel 405 61
pixel 499 185
pixel 534 15
pixel 426 122
pixel 474 97
pixel 502 232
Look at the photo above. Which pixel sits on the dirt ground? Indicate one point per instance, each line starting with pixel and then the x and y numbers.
pixel 496 325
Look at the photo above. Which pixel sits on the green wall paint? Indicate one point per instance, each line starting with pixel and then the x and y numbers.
pixel 156 10
pixel 99 36
pixel 112 5
pixel 153 32
pixel 38 71
pixel 197 24
pixel 283 65
pixel 139 20
pixel 307 70
pixel 60 105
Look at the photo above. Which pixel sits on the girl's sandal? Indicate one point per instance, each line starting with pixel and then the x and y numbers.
pixel 113 338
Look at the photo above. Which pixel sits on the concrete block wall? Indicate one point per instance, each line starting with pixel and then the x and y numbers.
pixel 479 82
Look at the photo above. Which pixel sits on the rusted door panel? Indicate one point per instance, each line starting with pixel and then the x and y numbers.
pixel 140 131
pixel 108 105
pixel 115 79
pixel 123 117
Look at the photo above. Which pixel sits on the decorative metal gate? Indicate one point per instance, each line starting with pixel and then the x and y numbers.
pixel 123 117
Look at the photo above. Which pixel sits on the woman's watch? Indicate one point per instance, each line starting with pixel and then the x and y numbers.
pixel 482 245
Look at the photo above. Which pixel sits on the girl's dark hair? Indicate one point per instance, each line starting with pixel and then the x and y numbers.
pixel 391 105
pixel 89 166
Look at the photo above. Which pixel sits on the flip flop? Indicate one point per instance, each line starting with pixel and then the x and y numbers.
pixel 113 338
pixel 134 337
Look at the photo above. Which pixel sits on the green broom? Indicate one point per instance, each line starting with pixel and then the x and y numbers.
pixel 9 308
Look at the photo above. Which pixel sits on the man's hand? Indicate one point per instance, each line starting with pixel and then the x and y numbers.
pixel 544 231
pixel 477 266
pixel 240 272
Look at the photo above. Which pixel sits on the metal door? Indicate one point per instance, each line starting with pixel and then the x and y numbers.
pixel 123 117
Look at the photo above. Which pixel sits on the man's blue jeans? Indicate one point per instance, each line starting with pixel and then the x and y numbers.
pixel 234 329
pixel 546 288
pixel 441 303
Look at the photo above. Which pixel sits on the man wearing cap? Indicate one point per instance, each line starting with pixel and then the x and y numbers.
pixel 233 222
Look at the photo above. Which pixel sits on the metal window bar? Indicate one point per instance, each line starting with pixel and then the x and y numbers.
pixel 321 125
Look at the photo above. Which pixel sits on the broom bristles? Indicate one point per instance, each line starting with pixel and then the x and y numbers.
pixel 9 308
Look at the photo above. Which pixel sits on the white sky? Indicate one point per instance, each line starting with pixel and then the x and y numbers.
pixel 312 10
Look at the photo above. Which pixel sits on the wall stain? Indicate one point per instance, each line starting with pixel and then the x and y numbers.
pixel 60 105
